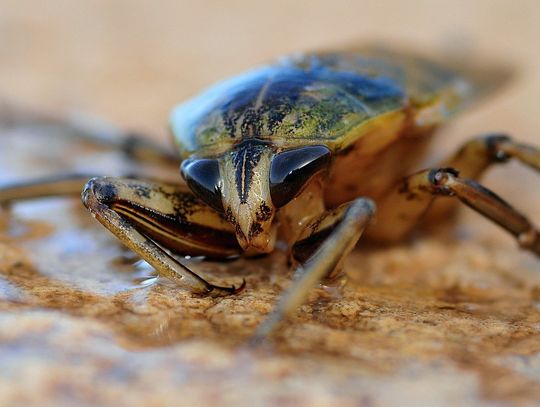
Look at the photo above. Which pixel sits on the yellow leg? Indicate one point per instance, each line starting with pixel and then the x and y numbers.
pixel 401 209
pixel 321 247
pixel 93 130
pixel 54 185
pixel 145 216
pixel 476 156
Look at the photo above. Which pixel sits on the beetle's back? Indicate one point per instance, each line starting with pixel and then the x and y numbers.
pixel 316 98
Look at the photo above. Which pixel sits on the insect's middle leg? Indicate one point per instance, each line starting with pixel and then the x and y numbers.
pixel 401 209
pixel 403 206
pixel 69 184
pixel 146 216
pixel 476 156
pixel 320 249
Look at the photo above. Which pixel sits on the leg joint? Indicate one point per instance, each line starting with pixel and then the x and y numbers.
pixel 100 190
pixel 439 178
pixel 492 144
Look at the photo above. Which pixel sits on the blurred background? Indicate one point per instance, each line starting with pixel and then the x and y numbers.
pixel 451 320
pixel 131 60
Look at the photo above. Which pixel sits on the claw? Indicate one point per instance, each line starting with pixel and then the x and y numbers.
pixel 241 288
pixel 218 291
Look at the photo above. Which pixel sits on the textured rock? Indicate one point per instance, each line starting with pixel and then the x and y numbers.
pixel 441 320
pixel 449 318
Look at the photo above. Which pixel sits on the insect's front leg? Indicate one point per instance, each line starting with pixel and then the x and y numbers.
pixel 146 216
pixel 320 249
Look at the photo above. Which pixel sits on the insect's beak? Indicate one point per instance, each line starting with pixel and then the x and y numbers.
pixel 246 195
pixel 252 232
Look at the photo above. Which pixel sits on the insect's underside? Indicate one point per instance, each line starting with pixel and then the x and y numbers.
pixel 322 194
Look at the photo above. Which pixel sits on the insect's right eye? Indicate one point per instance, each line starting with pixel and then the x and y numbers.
pixel 203 178
pixel 291 170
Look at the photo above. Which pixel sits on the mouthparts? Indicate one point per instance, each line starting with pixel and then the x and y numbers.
pixel 246 194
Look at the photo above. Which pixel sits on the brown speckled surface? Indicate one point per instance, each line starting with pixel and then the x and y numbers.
pixel 449 318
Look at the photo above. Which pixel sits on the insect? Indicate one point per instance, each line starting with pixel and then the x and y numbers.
pixel 304 150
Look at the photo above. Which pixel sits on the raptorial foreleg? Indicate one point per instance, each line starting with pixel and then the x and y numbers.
pixel 320 249
pixel 148 217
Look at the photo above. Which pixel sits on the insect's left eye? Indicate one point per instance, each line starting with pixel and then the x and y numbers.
pixel 291 170
pixel 203 178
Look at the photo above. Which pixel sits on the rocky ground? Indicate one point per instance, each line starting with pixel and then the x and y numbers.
pixel 451 317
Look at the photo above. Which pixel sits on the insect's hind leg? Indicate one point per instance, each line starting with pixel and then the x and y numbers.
pixel 320 249
pixel 92 130
pixel 146 216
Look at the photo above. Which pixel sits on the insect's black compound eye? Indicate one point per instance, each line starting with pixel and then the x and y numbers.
pixel 291 170
pixel 203 178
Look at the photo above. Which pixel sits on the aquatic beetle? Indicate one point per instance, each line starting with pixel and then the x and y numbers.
pixel 304 150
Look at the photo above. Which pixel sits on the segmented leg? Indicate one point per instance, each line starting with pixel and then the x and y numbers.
pixel 401 209
pixel 54 185
pixel 146 215
pixel 92 130
pixel 66 184
pixel 321 247
pixel 478 155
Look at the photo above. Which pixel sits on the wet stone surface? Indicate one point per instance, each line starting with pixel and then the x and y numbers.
pixel 450 318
